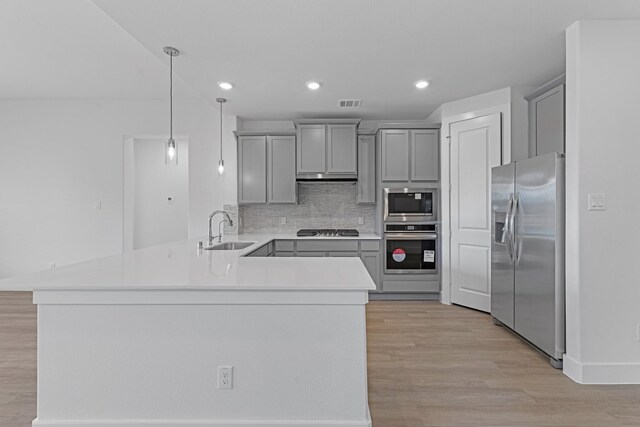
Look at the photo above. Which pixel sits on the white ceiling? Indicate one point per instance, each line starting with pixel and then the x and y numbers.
pixel 368 49
pixel 72 49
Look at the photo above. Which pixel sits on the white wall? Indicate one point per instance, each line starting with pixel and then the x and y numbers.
pixel 60 156
pixel 603 290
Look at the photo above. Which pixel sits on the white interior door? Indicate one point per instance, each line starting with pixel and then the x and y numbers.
pixel 476 147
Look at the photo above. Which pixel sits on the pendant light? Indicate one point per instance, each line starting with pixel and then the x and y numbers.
pixel 221 161
pixel 171 149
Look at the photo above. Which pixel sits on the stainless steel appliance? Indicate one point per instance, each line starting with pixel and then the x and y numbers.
pixel 527 251
pixel 411 249
pixel 410 205
pixel 328 232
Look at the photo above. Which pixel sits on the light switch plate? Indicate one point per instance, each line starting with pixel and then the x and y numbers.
pixel 597 202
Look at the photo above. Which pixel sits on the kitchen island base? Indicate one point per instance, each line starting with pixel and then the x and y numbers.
pixel 151 358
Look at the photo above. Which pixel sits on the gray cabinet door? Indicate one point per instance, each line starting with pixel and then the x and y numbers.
pixel 546 118
pixel 371 261
pixel 281 171
pixel 395 155
pixel 311 149
pixel 252 169
pixel 341 149
pixel 424 155
pixel 366 189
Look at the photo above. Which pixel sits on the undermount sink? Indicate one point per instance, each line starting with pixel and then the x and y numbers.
pixel 229 246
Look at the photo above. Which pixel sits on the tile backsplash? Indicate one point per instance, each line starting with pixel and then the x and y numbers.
pixel 320 205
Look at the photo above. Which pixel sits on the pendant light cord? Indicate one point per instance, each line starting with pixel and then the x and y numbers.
pixel 171 97
pixel 221 131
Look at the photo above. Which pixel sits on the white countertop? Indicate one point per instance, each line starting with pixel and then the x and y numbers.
pixel 181 266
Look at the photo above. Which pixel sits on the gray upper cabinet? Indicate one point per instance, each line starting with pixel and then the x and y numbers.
pixel 281 170
pixel 546 122
pixel 409 155
pixel 366 189
pixel 327 149
pixel 311 148
pixel 341 149
pixel 395 155
pixel 424 155
pixel 252 169
pixel 267 169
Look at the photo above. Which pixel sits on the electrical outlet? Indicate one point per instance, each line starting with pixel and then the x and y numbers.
pixel 97 205
pixel 225 376
pixel 597 202
pixel 283 220
pixel 52 265
pixel 638 332
pixel 360 220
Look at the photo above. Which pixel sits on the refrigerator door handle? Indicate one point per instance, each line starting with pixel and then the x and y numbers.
pixel 507 229
pixel 514 235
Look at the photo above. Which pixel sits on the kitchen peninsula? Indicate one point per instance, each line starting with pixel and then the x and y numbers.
pixel 173 335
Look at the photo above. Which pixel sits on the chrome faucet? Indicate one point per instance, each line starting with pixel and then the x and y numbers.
pixel 228 220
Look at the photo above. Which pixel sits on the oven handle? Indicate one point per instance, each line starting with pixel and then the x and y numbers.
pixel 414 236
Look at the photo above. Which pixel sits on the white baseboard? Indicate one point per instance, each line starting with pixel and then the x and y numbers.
pixel 601 373
pixel 198 423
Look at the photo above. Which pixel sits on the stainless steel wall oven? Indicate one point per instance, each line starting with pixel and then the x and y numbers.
pixel 411 249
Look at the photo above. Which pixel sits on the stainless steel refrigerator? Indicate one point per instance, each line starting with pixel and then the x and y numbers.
pixel 527 251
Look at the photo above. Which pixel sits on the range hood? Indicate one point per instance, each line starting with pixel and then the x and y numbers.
pixel 326 177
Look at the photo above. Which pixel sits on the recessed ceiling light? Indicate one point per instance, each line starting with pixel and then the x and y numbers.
pixel 225 85
pixel 421 84
pixel 313 85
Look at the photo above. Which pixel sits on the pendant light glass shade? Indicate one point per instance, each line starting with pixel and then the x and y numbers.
pixel 171 153
pixel 221 161
pixel 171 148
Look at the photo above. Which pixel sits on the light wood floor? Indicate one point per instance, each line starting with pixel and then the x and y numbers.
pixel 429 365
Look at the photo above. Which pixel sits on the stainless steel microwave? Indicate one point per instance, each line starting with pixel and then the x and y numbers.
pixel 410 204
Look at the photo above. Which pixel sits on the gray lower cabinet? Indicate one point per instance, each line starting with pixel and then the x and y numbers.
pixel 371 261
pixel 546 122
pixel 263 251
pixel 252 169
pixel 409 155
pixel 266 169
pixel 366 187
pixel 367 250
pixel 311 254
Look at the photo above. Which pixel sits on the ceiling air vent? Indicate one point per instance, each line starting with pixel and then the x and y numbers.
pixel 350 103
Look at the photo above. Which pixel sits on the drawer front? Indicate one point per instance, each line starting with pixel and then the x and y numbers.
pixel 370 245
pixel 344 254
pixel 312 254
pixel 327 245
pixel 411 286
pixel 284 245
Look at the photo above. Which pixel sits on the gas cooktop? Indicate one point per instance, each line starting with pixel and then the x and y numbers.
pixel 328 232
